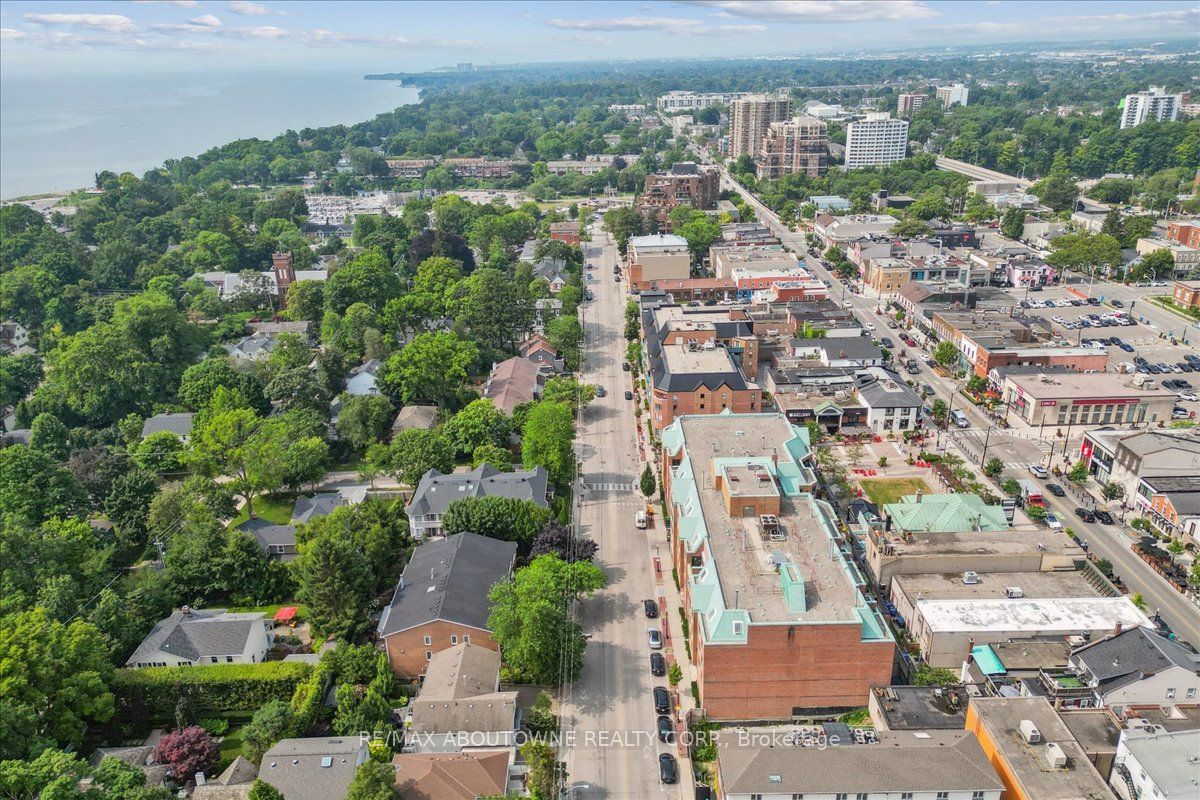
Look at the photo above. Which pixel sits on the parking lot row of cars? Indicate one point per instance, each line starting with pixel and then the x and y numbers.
pixel 668 767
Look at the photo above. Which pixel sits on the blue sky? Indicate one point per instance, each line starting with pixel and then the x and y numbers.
pixel 65 37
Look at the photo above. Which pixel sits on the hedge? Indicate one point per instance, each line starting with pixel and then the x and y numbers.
pixel 151 694
pixel 309 695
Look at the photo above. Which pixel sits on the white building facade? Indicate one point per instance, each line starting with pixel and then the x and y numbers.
pixel 876 141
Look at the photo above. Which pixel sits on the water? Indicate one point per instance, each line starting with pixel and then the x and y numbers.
pixel 56 132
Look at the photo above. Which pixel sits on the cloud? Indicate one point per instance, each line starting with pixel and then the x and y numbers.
pixel 12 34
pixel 1175 15
pixel 109 23
pixel 821 10
pixel 254 32
pixel 247 9
pixel 207 21
pixel 676 25
pixel 176 3
pixel 587 39
pixel 983 28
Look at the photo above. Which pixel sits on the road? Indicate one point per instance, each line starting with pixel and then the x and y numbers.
pixel 1106 541
pixel 979 173
pixel 608 715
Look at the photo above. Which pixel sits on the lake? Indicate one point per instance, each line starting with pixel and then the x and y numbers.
pixel 56 132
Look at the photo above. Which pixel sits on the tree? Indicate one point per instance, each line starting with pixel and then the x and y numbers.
pixel 271 723
pixel 494 455
pixel 568 390
pixel 1160 263
pixel 940 409
pixel 55 678
pixel 1036 513
pixel 1083 252
pixel 360 708
pixel 162 453
pixel 377 528
pixel 373 780
pixel 50 436
pixel 674 675
pixel 993 468
pixel 477 424
pixel 1112 490
pixel 364 420
pixel 911 228
pixel 1078 473
pixel 58 494
pixel 261 790
pixel 187 752
pixel 946 354
pixel 432 368
pixel 494 309
pixel 1011 487
pixel 295 388
pixel 546 773
pixel 335 580
pixel 128 505
pixel 547 441
pixel 414 452
pixel 366 278
pixel 559 540
pixel 529 620
pixel 201 381
pixel 306 301
pixel 647 482
pixel 239 444
pixel 505 518
pixel 566 335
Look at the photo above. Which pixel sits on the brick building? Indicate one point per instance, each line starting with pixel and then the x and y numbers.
pixel 1185 232
pixel 565 231
pixel 685 184
pixel 797 146
pixel 777 619
pixel 1186 293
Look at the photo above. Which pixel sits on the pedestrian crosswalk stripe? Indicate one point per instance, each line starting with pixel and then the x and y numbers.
pixel 608 487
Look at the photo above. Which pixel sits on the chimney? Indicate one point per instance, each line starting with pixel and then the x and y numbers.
pixel 186 610
pixel 1117 628
pixel 919 495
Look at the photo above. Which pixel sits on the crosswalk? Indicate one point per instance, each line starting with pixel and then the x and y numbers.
pixel 608 487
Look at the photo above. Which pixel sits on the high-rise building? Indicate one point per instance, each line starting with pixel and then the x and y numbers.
pixel 749 119
pixel 955 95
pixel 909 104
pixel 684 184
pixel 1153 105
pixel 798 145
pixel 875 141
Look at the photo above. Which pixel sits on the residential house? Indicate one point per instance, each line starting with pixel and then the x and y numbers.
pixel 255 347
pixel 204 636
pixel 313 769
pixel 1138 667
pixel 436 491
pixel 468 775
pixel 442 600
pixel 362 380
pixel 233 783
pixel 891 404
pixel 277 541
pixel 415 418
pixel 513 382
pixel 321 504
pixel 566 231
pixel 178 424
pixel 460 700
pixel 14 338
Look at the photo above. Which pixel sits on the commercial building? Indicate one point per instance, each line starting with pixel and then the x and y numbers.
pixel 908 104
pixel 1187 259
pixel 696 378
pixel 797 146
pixel 1063 399
pixel 565 231
pixel 843 230
pixel 694 101
pixel 840 352
pixel 891 405
pixel 955 95
pixel 1152 105
pixel 918 708
pixel 724 259
pixel 1157 764
pixel 685 184
pixel 1185 232
pixel 1131 458
pixel 919 765
pixel 751 117
pixel 1033 751
pixel 658 257
pixel 778 622
pixel 888 276
pixel 830 203
pixel 442 600
pixel 875 141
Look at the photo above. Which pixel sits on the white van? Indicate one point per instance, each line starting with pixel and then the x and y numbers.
pixel 639 519
pixel 960 419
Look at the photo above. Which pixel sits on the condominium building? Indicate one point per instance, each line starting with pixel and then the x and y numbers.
pixel 750 117
pixel 694 101
pixel 797 146
pixel 1152 105
pixel 876 141
pixel 955 95
pixel 686 183
pixel 909 104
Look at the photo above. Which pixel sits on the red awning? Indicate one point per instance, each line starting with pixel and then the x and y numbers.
pixel 286 613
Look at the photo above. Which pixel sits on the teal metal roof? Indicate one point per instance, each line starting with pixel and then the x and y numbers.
pixel 988 661
pixel 946 513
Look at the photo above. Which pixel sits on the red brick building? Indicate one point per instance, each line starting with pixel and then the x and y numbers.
pixel 1185 233
pixel 565 232
pixel 1186 293
pixel 685 184
pixel 778 623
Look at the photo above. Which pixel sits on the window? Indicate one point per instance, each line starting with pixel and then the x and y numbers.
pixel 797 796
pixel 428 641
pixel 466 638
pixel 906 796
pixel 1191 693
pixel 943 796
pixel 840 796
pixel 454 638
pixel 977 794
pixel 861 796
pixel 1171 693
pixel 428 655
pixel 228 659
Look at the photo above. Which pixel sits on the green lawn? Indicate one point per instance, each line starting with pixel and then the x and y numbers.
pixel 231 747
pixel 890 490
pixel 269 611
pixel 273 508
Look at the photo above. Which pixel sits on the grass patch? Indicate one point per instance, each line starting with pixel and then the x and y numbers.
pixel 270 611
pixel 273 508
pixel 890 490
pixel 231 747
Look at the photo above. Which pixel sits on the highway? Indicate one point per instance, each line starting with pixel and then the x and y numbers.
pixel 611 748
pixel 979 173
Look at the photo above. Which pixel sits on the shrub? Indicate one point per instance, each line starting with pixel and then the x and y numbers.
pixel 308 695
pixel 217 726
pixel 187 752
pixel 153 693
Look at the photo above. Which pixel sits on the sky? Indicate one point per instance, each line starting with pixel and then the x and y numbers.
pixel 60 37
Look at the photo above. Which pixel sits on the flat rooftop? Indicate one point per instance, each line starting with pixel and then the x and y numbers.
pixel 1014 541
pixel 1081 385
pixel 1178 717
pixel 744 558
pixel 919 708
pixel 1058 615
pixel 1001 717
pixel 682 360
pixel 1034 585
pixel 1094 728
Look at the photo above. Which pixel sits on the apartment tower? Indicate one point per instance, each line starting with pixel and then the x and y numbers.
pixel 796 146
pixel 750 117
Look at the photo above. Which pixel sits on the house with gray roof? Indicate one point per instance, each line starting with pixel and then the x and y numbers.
pixel 840 352
pixel 460 700
pixel 437 491
pixel 277 541
pixel 1138 667
pixel 178 424
pixel 415 417
pixel 255 347
pixel 192 637
pixel 442 599
pixel 891 404
pixel 321 504
pixel 313 769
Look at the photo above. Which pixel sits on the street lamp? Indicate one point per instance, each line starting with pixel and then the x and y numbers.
pixel 986 437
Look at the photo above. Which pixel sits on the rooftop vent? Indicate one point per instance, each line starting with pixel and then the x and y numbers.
pixel 1029 732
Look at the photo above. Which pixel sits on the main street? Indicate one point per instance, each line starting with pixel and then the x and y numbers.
pixel 608 714
pixel 1109 542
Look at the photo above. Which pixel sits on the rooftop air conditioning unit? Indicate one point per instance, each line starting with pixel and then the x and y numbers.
pixel 1013 592
pixel 1029 732
pixel 970 578
pixel 1055 756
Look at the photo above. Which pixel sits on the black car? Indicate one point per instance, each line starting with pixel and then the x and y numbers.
pixel 662 700
pixel 625 366
pixel 1117 304
pixel 1104 517
pixel 651 609
pixel 628 395
pixel 1056 490
pixel 888 343
pixel 668 771
pixel 1186 367
pixel 658 664
pixel 1085 515
pixel 666 730
pixel 1093 301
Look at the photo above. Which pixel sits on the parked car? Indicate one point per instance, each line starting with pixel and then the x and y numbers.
pixel 655 638
pixel 601 391
pixel 668 770
pixel 1117 304
pixel 1104 517
pixel 625 366
pixel 888 343
pixel 1053 522
pixel 658 664
pixel 1056 490
pixel 1180 413
pixel 662 700
pixel 666 729
pixel 1039 471
pixel 651 608
pixel 1188 397
pixel 628 395
pixel 1085 515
